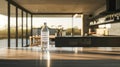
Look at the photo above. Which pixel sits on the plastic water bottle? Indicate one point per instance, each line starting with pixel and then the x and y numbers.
pixel 45 37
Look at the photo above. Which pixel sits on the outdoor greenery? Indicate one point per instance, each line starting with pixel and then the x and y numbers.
pixel 76 31
pixel 4 33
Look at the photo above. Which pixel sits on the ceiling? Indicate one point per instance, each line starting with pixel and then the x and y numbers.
pixel 61 6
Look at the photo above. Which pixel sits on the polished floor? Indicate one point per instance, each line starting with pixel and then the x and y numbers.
pixel 60 57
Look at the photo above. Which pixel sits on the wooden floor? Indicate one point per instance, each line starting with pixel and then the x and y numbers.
pixel 62 56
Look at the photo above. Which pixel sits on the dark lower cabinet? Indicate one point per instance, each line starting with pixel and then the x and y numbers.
pixel 87 41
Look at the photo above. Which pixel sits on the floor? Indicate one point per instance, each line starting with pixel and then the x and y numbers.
pixel 60 57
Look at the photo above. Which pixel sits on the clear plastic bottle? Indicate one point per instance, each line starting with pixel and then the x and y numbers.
pixel 45 37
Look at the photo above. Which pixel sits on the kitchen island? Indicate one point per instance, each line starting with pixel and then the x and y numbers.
pixel 88 41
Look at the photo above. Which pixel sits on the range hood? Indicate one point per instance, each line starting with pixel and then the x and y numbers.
pixel 112 6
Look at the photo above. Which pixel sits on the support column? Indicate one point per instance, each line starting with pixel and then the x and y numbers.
pixel 31 24
pixel 16 27
pixel 22 27
pixel 85 25
pixel 8 24
pixel 72 26
pixel 26 29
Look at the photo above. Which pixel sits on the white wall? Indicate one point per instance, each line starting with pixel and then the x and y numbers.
pixel 115 29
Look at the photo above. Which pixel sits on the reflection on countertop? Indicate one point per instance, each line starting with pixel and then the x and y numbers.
pixel 94 35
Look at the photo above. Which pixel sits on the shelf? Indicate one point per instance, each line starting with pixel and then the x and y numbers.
pixel 117 21
pixel 105 13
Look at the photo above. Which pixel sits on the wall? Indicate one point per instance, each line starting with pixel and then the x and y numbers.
pixel 115 29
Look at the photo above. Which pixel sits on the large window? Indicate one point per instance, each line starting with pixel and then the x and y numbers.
pixel 24 28
pixel 54 23
pixel 67 24
pixel 19 28
pixel 70 25
pixel 3 24
pixel 29 26
pixel 13 26
pixel 77 24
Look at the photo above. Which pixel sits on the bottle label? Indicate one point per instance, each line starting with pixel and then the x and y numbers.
pixel 45 36
pixel 45 39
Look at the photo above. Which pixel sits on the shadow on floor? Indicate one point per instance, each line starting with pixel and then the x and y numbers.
pixel 60 63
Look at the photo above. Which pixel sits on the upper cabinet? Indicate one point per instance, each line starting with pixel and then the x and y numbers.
pixel 105 18
pixel 110 13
